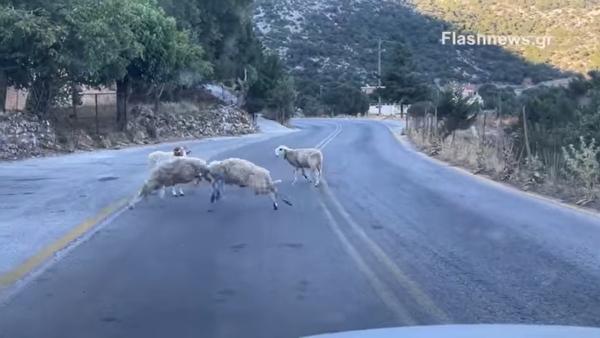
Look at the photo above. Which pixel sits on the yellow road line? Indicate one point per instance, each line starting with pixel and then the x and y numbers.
pixel 495 183
pixel 411 287
pixel 43 255
pixel 338 131
pixel 402 316
pixel 326 140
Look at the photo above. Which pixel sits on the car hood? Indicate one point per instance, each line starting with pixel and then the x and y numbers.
pixel 470 331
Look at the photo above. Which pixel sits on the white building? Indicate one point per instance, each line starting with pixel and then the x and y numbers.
pixel 386 109
pixel 469 90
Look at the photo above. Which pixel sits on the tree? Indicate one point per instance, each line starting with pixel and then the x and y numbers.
pixel 223 28
pixel 456 111
pixel 30 51
pixel 167 51
pixel 346 99
pixel 89 43
pixel 282 98
pixel 269 72
pixel 401 83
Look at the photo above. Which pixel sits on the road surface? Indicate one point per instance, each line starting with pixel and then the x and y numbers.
pixel 390 239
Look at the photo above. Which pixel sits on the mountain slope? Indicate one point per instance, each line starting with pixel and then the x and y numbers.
pixel 336 40
pixel 574 26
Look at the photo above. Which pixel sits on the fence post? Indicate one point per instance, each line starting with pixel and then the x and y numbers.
pixel 483 131
pixel 96 101
pixel 435 120
pixel 526 135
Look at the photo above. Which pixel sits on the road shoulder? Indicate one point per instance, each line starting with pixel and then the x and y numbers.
pixel 396 129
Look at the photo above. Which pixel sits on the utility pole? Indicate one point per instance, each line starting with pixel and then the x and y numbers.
pixel 379 75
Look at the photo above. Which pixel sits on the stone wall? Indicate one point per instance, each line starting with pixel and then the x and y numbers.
pixel 23 136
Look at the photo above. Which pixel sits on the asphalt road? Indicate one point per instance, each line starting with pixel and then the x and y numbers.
pixel 390 239
pixel 42 199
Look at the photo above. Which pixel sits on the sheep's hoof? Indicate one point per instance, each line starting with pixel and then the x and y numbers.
pixel 213 198
pixel 274 206
pixel 293 182
pixel 131 207
pixel 181 194
pixel 317 184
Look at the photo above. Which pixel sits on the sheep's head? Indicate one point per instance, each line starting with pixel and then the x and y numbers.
pixel 178 151
pixel 281 150
pixel 182 151
pixel 213 164
pixel 149 187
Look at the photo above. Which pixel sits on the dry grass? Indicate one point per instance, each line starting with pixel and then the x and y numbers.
pixel 463 150
pixel 571 176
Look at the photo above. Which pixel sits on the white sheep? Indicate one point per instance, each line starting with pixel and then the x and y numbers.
pixel 178 170
pixel 301 158
pixel 242 173
pixel 160 156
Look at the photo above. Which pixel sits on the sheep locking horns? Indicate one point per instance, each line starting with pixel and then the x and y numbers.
pixel 179 170
pixel 159 156
pixel 243 173
pixel 301 158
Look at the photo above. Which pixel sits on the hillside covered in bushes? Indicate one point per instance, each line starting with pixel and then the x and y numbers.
pixel 328 43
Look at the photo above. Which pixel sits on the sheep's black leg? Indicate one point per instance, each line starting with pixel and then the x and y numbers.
pixel 274 200
pixel 304 174
pixel 213 193
pixel 220 190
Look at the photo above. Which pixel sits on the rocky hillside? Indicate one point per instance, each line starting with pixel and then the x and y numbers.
pixel 336 40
